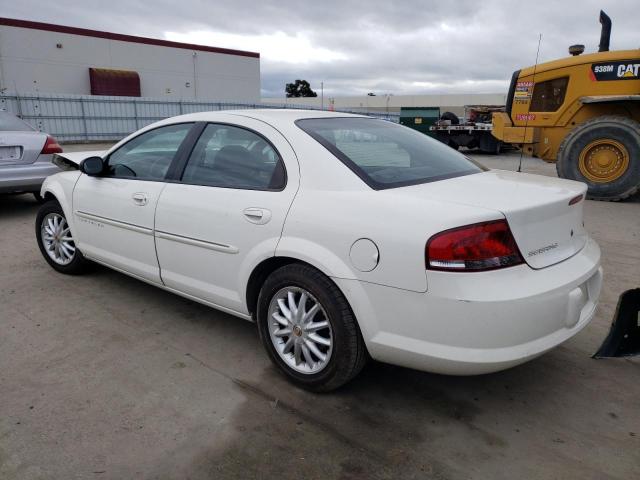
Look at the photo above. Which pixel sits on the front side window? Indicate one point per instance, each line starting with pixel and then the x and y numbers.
pixel 387 155
pixel 549 96
pixel 232 157
pixel 148 156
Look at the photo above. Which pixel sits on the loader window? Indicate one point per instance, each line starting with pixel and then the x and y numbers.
pixel 549 96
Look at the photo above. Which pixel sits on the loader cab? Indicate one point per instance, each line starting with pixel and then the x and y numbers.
pixel 545 102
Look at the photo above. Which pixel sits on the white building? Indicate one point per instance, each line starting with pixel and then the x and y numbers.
pixel 41 57
pixel 392 103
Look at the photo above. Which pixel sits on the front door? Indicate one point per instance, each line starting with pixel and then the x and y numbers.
pixel 227 211
pixel 114 213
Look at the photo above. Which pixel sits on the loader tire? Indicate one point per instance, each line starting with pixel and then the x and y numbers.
pixel 604 153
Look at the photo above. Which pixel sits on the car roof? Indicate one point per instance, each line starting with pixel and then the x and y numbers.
pixel 272 116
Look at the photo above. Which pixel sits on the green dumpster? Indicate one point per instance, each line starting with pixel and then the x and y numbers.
pixel 420 118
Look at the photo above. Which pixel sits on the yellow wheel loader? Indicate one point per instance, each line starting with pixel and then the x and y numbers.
pixel 582 112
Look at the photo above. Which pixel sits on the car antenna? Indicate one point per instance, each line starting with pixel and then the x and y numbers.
pixel 526 119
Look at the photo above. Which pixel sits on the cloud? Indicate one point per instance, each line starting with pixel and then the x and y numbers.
pixel 273 47
pixel 359 46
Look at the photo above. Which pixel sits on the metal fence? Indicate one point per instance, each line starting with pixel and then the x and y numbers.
pixel 88 118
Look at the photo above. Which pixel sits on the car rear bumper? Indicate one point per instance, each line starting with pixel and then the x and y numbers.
pixel 478 323
pixel 26 178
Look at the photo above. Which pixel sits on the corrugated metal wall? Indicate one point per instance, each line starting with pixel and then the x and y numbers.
pixel 86 118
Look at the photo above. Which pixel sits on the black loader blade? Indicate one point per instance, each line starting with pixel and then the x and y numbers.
pixel 624 337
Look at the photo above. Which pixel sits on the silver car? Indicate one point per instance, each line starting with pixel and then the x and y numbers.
pixel 25 156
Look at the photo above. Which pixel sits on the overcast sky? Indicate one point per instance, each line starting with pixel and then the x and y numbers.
pixel 355 47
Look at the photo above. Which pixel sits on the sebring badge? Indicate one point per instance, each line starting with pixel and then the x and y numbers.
pixel 533 253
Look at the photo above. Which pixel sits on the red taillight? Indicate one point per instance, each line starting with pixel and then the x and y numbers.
pixel 575 200
pixel 51 146
pixel 482 246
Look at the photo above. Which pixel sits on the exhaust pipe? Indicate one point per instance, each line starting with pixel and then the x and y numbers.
pixel 605 33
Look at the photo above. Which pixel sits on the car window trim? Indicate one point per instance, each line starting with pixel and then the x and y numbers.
pixel 351 165
pixel 181 147
pixel 176 168
pixel 181 163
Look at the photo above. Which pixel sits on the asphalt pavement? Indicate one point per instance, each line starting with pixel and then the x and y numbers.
pixel 106 377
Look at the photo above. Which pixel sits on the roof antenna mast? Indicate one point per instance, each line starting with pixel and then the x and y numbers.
pixel 526 119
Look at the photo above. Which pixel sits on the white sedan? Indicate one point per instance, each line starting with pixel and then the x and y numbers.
pixel 343 237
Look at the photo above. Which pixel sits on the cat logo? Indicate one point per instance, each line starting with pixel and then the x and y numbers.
pixel 630 70
pixel 616 71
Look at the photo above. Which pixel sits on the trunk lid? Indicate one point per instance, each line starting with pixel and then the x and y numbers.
pixel 545 226
pixel 20 148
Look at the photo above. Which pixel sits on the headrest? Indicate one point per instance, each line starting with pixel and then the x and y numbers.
pixel 234 157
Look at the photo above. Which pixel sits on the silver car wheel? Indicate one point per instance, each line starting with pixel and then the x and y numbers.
pixel 300 330
pixel 57 239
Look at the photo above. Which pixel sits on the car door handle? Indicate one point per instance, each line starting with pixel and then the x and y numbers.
pixel 139 199
pixel 259 216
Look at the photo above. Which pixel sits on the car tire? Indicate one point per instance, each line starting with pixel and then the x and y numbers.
pixel 577 155
pixel 60 251
pixel 346 355
pixel 489 144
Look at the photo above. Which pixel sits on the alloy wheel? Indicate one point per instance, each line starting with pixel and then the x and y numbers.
pixel 57 239
pixel 300 330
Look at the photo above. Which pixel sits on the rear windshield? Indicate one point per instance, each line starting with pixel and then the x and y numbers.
pixel 387 155
pixel 11 123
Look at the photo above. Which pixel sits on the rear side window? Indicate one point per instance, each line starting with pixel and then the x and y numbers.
pixel 232 157
pixel 11 123
pixel 549 96
pixel 387 155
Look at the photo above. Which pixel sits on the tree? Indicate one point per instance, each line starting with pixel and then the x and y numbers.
pixel 300 88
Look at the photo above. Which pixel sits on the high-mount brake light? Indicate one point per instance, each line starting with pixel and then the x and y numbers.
pixel 481 246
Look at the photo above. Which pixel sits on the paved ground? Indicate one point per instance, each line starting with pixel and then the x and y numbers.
pixel 105 377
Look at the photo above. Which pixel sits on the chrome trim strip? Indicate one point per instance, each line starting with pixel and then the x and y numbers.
pixel 114 223
pixel 218 247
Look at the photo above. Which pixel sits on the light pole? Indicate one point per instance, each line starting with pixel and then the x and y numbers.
pixel 321 95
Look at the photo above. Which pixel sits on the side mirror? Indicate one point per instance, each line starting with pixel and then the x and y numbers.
pixel 92 166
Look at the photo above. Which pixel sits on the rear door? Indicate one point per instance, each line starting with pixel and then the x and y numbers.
pixel 227 211
pixel 114 213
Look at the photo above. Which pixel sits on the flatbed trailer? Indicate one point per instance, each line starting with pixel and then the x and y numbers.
pixel 474 132
pixel 471 135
